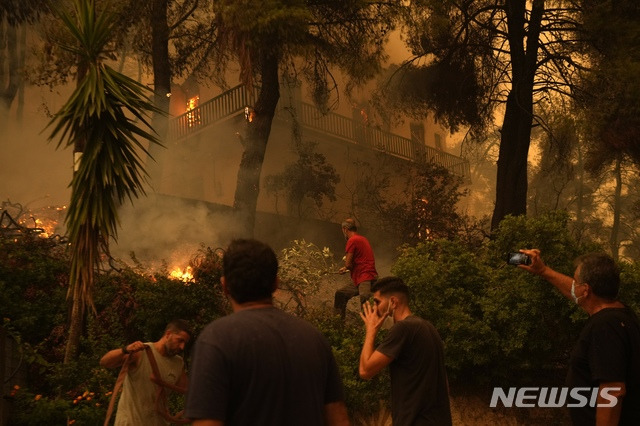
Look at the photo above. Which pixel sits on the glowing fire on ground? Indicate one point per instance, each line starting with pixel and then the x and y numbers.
pixel 44 222
pixel 185 275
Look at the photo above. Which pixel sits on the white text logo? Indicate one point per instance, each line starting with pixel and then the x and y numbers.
pixel 551 397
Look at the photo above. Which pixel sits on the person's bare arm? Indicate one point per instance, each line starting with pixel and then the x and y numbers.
pixel 348 263
pixel 207 422
pixel 183 381
pixel 605 415
pixel 561 281
pixel 335 414
pixel 371 361
pixel 114 358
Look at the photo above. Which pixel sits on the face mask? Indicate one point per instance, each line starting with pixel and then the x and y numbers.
pixel 573 292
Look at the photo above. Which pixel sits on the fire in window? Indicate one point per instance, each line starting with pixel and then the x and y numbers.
pixel 193 112
pixel 249 114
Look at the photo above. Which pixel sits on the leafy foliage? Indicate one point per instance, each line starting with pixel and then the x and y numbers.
pixel 499 324
pixel 100 119
pixel 18 11
pixel 361 397
pixel 610 92
pixel 310 177
pixel 424 210
pixel 302 267
pixel 432 211
pixel 130 306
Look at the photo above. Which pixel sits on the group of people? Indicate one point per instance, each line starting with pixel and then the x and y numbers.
pixel 262 366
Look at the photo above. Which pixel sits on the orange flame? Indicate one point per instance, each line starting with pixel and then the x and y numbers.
pixel 185 275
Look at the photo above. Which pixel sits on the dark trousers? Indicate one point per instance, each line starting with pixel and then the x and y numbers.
pixel 344 294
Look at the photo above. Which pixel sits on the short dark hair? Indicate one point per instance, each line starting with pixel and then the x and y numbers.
pixel 600 271
pixel 249 268
pixel 349 225
pixel 391 284
pixel 178 325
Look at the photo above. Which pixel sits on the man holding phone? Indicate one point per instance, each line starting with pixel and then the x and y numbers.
pixel 607 354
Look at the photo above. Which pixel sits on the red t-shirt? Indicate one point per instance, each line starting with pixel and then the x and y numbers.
pixel 364 265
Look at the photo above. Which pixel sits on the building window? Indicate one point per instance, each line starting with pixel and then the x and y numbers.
pixel 417 132
pixel 193 112
pixel 438 141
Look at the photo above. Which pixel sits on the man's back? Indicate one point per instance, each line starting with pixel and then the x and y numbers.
pixel 262 366
pixel 419 390
pixel 364 264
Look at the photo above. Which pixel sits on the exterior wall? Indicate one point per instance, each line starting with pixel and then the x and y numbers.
pixel 356 108
pixel 204 167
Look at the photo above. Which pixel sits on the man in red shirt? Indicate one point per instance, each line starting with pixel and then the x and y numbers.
pixel 360 261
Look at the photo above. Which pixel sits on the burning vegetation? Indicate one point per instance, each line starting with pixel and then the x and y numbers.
pixel 18 221
pixel 206 262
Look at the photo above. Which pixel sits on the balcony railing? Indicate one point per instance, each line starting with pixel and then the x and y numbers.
pixel 234 101
pixel 225 105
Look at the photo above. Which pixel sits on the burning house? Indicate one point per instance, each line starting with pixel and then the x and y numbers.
pixel 204 149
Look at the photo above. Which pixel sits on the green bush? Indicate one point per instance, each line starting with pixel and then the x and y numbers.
pixel 362 397
pixel 130 306
pixel 33 278
pixel 499 324
pixel 630 285
pixel 446 282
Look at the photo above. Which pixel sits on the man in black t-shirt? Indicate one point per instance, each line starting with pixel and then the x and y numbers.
pixel 414 353
pixel 259 365
pixel 606 359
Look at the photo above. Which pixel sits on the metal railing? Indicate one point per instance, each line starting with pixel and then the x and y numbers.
pixel 225 105
pixel 234 101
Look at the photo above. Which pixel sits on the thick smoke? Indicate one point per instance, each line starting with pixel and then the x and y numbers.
pixel 32 171
pixel 166 229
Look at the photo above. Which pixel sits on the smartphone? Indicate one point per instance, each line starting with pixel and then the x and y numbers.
pixel 518 259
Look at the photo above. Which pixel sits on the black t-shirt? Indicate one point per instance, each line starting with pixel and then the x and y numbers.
pixel 608 350
pixel 419 391
pixel 262 367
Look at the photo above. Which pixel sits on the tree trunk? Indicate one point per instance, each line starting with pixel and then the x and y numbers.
pixel 581 188
pixel 76 312
pixel 161 83
pixel 614 238
pixel 10 81
pixel 22 43
pixel 76 325
pixel 255 144
pixel 511 181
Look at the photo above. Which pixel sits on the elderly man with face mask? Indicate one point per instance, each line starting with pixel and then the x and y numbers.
pixel 606 357
pixel 414 353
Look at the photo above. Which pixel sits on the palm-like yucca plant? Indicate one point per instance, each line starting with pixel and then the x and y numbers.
pixel 102 116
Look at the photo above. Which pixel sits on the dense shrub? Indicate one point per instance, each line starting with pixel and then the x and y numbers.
pixel 446 282
pixel 130 306
pixel 362 397
pixel 499 324
pixel 33 280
